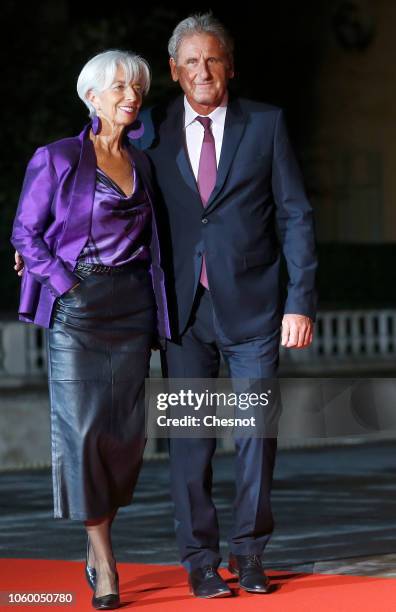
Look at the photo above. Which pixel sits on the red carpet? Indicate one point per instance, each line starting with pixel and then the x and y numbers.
pixel 159 588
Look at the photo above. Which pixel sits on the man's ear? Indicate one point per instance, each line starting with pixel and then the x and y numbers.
pixel 173 69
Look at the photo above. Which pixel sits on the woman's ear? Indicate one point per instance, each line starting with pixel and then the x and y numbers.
pixel 93 98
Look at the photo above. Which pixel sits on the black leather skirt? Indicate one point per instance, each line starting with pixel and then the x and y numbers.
pixel 99 348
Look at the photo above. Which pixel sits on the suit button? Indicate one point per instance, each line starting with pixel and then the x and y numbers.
pixel 204 220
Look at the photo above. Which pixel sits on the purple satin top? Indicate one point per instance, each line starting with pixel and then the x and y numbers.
pixel 121 225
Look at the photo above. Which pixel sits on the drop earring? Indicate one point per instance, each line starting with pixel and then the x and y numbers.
pixel 96 125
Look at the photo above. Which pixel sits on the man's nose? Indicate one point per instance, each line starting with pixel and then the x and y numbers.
pixel 203 70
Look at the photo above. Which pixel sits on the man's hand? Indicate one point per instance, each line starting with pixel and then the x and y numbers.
pixel 19 264
pixel 297 331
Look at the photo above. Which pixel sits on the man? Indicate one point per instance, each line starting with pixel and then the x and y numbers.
pixel 232 199
pixel 228 178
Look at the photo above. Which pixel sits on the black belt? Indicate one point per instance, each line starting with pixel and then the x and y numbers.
pixel 101 269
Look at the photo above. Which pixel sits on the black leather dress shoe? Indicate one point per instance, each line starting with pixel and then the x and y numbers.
pixel 90 572
pixel 250 571
pixel 107 602
pixel 206 582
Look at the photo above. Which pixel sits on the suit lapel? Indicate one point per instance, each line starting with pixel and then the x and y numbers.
pixel 176 133
pixel 78 219
pixel 185 168
pixel 156 271
pixel 174 137
pixel 234 127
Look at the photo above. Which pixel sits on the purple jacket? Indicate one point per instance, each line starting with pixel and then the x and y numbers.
pixel 53 221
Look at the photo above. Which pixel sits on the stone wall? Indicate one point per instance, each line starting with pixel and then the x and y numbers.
pixel 351 158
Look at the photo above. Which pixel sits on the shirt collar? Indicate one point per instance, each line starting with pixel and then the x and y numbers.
pixel 217 116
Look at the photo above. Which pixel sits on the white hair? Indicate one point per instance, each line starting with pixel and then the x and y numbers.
pixel 200 24
pixel 99 73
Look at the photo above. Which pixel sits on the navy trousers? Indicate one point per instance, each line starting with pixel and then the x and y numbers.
pixel 197 355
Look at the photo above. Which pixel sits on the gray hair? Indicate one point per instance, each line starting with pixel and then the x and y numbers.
pixel 99 72
pixel 200 24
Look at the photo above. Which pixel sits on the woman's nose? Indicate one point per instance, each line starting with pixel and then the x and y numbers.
pixel 130 93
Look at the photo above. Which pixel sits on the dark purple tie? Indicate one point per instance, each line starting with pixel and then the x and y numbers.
pixel 207 173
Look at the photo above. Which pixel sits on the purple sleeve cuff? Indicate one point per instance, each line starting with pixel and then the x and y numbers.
pixel 62 280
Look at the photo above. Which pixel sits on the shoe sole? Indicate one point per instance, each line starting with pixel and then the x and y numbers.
pixel 260 592
pixel 215 596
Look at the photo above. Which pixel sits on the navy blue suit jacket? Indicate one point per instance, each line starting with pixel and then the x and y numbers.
pixel 257 208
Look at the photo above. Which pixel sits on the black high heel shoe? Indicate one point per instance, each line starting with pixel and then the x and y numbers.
pixel 90 572
pixel 108 602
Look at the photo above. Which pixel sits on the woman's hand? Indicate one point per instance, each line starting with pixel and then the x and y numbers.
pixel 19 264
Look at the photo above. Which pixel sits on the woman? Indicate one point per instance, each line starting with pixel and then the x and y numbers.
pixel 86 230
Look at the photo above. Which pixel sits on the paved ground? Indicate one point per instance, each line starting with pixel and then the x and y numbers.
pixel 335 512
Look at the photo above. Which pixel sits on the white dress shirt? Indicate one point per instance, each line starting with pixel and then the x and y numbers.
pixel 195 131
